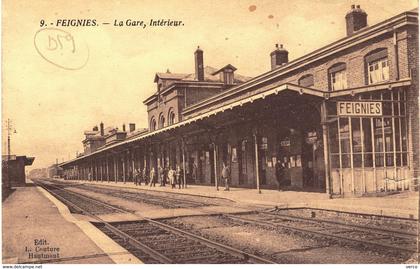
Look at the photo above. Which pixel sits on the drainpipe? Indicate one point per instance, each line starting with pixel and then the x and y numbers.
pixel 326 148
pixel 215 165
pixel 257 168
pixel 183 163
pixel 396 61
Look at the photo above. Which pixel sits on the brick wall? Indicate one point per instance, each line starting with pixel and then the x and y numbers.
pixel 164 108
pixel 352 57
pixel 194 95
pixel 175 100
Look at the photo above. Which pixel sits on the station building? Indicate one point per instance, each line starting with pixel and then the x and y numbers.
pixel 344 119
pixel 13 170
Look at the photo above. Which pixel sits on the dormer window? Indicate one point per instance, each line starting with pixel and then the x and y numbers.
pixel 226 74
pixel 377 66
pixel 338 77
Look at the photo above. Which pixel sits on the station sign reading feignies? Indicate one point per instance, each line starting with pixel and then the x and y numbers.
pixel 359 108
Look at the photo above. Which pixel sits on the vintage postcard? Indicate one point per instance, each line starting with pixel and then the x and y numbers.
pixel 210 132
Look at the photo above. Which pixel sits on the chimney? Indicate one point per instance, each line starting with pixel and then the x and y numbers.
pixel 95 128
pixel 199 64
pixel 356 19
pixel 132 127
pixel 123 127
pixel 102 128
pixel 279 56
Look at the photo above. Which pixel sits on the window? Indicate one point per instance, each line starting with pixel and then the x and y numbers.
pixel 152 124
pixel 161 121
pixel 367 142
pixel 377 66
pixel 345 142
pixel 171 117
pixel 228 77
pixel 378 71
pixel 370 141
pixel 338 77
pixel 356 142
pixel 306 81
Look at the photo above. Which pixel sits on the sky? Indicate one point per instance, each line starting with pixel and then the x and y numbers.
pixel 111 71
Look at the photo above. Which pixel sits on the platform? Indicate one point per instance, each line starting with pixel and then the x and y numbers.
pixel 403 205
pixel 37 228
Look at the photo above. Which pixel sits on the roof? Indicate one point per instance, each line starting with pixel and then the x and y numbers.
pixel 169 75
pixel 229 66
pixel 137 132
pixel 405 18
pixel 89 132
pixel 321 95
pixel 27 160
pixel 209 76
pixel 226 102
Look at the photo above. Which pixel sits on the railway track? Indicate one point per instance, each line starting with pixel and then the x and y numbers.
pixel 84 203
pixel 147 198
pixel 153 241
pixel 390 239
pixel 402 241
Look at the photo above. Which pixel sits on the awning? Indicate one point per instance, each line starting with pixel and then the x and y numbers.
pixel 210 113
pixel 370 88
pixel 227 105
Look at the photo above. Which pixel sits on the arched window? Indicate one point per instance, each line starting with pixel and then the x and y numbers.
pixel 171 116
pixel 337 77
pixel 161 121
pixel 152 124
pixel 306 81
pixel 377 66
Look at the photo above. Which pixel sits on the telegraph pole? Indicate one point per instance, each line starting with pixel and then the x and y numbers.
pixel 9 129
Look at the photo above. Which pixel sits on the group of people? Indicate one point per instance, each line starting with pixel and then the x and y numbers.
pixel 176 176
pixel 163 174
pixel 172 176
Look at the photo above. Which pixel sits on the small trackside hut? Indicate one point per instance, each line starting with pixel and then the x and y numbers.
pixel 343 119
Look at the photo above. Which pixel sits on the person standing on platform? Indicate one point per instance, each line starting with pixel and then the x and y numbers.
pixel 279 173
pixel 140 176
pixel 226 175
pixel 145 176
pixel 165 175
pixel 89 176
pixel 179 176
pixel 171 177
pixel 131 175
pixel 153 177
pixel 136 176
pixel 194 172
pixel 160 175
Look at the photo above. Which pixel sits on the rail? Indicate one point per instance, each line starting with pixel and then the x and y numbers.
pixel 146 249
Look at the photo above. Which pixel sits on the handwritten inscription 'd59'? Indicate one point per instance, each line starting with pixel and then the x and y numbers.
pixel 61 49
